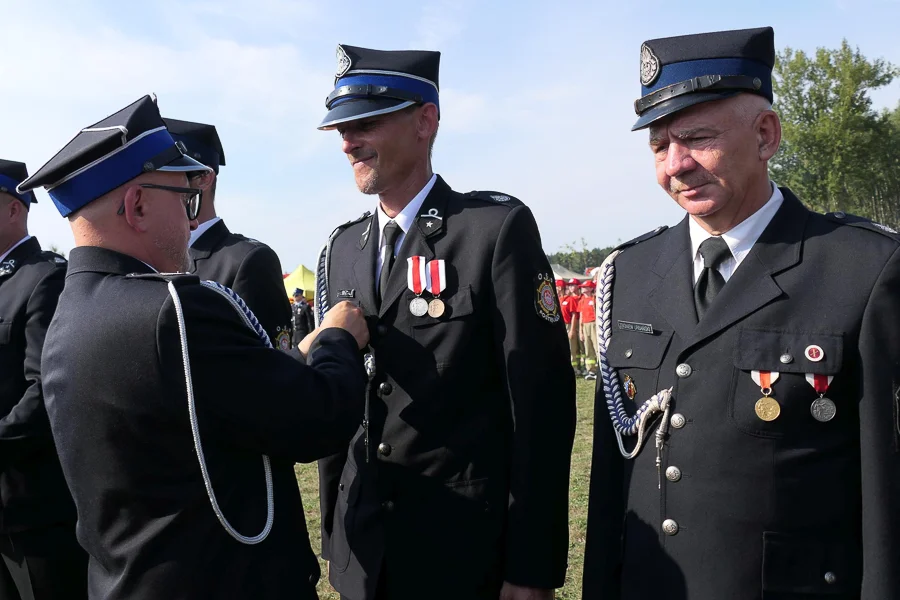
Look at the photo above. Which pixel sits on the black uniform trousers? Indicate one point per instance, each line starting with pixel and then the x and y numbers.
pixel 43 564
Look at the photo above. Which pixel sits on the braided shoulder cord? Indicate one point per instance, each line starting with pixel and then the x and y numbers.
pixel 251 321
pixel 622 423
pixel 322 283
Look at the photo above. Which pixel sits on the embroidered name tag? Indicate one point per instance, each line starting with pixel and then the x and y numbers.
pixel 638 327
pixel 347 294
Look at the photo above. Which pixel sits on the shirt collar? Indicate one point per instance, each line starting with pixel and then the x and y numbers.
pixel 201 229
pixel 17 244
pixel 740 239
pixel 410 213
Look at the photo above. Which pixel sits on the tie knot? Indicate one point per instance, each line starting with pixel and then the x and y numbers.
pixel 714 251
pixel 391 232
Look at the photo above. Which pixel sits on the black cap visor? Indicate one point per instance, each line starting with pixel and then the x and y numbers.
pixel 361 108
pixel 676 104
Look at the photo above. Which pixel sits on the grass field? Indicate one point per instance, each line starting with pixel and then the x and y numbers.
pixel 578 502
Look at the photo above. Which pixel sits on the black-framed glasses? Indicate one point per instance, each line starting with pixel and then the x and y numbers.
pixel 191 197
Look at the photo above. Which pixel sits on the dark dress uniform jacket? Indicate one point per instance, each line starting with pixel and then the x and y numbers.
pixel 251 269
pixel 793 508
pixel 33 492
pixel 471 417
pixel 116 397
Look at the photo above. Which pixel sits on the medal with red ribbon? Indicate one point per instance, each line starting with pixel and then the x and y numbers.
pixel 822 409
pixel 767 408
pixel 416 280
pixel 437 282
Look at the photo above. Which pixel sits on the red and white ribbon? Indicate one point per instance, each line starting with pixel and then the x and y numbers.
pixel 437 277
pixel 416 278
pixel 820 383
pixel 765 379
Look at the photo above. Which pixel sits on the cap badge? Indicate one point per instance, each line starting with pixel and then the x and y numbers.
pixel 649 66
pixel 343 62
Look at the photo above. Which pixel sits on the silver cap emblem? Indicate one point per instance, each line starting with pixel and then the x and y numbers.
pixel 649 66
pixel 343 62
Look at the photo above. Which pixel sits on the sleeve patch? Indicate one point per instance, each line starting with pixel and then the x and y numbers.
pixel 545 302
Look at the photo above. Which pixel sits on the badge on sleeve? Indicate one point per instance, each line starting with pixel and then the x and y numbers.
pixel 283 338
pixel 545 298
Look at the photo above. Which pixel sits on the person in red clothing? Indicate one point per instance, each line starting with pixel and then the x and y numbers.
pixel 568 307
pixel 587 311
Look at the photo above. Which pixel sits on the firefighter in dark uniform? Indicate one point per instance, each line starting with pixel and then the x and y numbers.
pixel 746 424
pixel 456 484
pixel 247 266
pixel 165 399
pixel 41 557
pixel 304 322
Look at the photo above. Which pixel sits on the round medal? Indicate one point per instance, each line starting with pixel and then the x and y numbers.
pixel 418 307
pixel 823 410
pixel 767 408
pixel 436 308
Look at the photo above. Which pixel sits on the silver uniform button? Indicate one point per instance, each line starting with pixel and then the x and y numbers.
pixel 629 353
pixel 830 578
pixel 840 214
pixel 683 370
pixel 670 527
pixel 673 473
pixel 786 359
pixel 678 421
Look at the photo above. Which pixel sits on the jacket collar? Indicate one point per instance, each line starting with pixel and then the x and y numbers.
pixel 92 259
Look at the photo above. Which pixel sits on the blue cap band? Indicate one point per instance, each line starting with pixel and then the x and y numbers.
pixel 424 89
pixel 112 171
pixel 682 71
pixel 10 184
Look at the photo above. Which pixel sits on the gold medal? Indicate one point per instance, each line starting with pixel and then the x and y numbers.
pixel 436 308
pixel 767 408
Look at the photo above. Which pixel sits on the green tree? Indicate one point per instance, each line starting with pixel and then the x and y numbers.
pixel 55 248
pixel 837 152
pixel 578 257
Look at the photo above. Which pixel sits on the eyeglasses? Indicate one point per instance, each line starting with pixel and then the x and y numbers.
pixel 191 197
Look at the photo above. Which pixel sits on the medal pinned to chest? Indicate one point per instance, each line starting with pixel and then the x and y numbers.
pixel 822 409
pixel 767 408
pixel 424 276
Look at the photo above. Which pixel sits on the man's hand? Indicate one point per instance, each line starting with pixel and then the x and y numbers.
pixel 345 316
pixel 515 592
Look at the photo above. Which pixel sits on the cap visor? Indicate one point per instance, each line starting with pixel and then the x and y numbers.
pixel 362 108
pixel 676 104
pixel 184 164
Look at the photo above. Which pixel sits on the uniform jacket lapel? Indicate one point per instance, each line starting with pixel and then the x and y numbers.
pixel 674 296
pixel 430 223
pixel 364 267
pixel 211 239
pixel 753 284
pixel 14 260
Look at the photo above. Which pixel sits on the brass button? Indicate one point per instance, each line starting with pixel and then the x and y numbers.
pixel 670 527
pixel 673 473
pixel 678 421
pixel 786 359
pixel 384 449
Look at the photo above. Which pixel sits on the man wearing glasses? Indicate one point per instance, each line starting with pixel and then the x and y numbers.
pixel 148 377
pixel 245 265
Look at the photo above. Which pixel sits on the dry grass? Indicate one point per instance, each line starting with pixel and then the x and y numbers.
pixel 578 503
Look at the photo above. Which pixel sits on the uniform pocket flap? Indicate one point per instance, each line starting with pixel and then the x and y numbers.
pixel 789 351
pixel 804 565
pixel 455 306
pixel 638 350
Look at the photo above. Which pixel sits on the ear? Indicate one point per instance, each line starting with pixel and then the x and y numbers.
pixel 768 134
pixel 427 122
pixel 137 206
pixel 17 211
pixel 204 181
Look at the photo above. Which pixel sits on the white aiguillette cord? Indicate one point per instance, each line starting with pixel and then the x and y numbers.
pixel 250 320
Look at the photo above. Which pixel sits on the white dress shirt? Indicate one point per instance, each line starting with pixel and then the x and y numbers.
pixel 201 229
pixel 740 239
pixel 405 220
pixel 16 245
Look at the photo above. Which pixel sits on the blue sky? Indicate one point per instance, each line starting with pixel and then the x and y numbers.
pixel 536 97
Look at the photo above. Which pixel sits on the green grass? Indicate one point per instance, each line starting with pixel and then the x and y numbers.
pixel 578 500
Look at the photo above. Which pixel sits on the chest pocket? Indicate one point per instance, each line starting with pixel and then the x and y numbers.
pixel 448 334
pixel 637 358
pixel 788 353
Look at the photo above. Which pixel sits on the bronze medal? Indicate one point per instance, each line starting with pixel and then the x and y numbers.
pixel 767 408
pixel 436 308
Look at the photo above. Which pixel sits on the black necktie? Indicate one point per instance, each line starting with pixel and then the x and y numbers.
pixel 714 251
pixel 391 232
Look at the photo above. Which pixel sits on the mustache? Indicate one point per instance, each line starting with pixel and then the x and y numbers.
pixel 676 187
pixel 361 155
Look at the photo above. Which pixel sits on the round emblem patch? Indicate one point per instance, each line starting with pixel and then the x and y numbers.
pixel 815 353
pixel 545 301
pixel 283 341
pixel 649 66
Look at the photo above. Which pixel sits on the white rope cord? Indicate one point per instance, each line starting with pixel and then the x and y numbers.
pixel 250 320
pixel 624 425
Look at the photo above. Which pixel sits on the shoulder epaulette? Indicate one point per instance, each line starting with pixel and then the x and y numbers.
pixel 53 257
pixel 642 238
pixel 179 279
pixel 350 223
pixel 495 198
pixel 862 223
